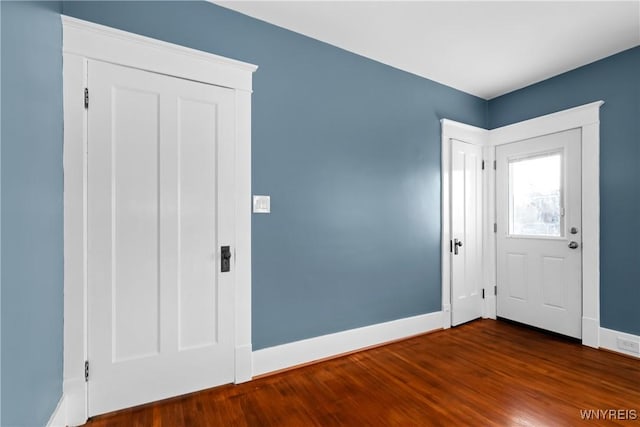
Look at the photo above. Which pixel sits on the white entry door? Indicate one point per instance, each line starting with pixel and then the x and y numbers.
pixel 539 248
pixel 466 232
pixel 160 206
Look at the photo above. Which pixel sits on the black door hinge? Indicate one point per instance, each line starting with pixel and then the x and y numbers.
pixel 482 293
pixel 483 165
pixel 495 290
pixel 86 97
pixel 495 165
pixel 86 370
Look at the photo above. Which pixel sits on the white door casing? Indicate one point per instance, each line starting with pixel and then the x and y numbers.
pixel 466 231
pixel 539 246
pixel 477 137
pixel 160 193
pixel 83 41
pixel 584 117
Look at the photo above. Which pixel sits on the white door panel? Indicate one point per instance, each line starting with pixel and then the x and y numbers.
pixel 538 192
pixel 160 205
pixel 466 228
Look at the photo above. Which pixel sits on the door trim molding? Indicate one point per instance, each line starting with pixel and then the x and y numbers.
pixel 95 41
pixel 476 136
pixel 587 118
pixel 83 41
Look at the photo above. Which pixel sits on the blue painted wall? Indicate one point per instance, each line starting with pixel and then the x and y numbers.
pixel 31 244
pixel 348 149
pixel 616 80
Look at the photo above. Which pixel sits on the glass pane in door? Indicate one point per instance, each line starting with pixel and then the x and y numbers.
pixel 535 195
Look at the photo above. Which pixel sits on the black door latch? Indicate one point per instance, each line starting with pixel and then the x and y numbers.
pixel 225 264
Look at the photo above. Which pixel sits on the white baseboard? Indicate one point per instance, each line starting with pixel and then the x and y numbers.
pixel 609 340
pixel 59 416
pixel 296 353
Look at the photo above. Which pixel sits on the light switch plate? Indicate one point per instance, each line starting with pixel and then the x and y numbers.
pixel 261 204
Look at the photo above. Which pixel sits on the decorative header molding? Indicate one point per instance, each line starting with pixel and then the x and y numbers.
pixel 94 41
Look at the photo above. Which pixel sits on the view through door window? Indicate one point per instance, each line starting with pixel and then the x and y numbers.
pixel 535 195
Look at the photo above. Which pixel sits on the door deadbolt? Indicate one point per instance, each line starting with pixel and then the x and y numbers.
pixel 573 230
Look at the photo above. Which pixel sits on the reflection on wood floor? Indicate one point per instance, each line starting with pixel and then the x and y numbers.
pixel 485 373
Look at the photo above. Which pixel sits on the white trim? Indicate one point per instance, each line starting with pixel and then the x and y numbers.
pixel 82 41
pixel 571 118
pixel 243 237
pixel 591 232
pixel 75 290
pixel 59 416
pixel 587 118
pixel 472 135
pixel 489 270
pixel 296 353
pixel 609 340
pixel 590 326
pixel 243 363
pixel 107 44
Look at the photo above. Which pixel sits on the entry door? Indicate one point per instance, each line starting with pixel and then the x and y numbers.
pixel 160 205
pixel 466 232
pixel 539 248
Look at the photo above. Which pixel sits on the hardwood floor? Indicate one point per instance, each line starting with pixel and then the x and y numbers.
pixel 485 373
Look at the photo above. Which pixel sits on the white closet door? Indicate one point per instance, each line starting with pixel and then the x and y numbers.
pixel 466 232
pixel 539 244
pixel 160 206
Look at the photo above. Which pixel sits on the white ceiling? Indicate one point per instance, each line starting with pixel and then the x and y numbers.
pixel 480 47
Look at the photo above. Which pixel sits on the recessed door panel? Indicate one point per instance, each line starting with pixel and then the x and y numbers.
pixel 135 145
pixel 554 282
pixel 517 276
pixel 197 204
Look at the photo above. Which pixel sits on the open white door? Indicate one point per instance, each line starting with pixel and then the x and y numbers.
pixel 160 206
pixel 466 232
pixel 539 244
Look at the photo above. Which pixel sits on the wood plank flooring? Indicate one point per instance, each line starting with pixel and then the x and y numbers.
pixel 485 373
